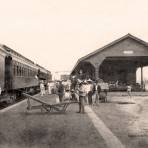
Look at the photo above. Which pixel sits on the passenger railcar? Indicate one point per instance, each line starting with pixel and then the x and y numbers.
pixel 18 74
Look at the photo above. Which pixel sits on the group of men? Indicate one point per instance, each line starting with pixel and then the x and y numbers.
pixel 90 92
pixel 43 88
pixel 83 91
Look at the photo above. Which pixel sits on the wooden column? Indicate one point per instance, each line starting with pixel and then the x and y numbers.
pixel 97 66
pixel 96 73
pixel 142 77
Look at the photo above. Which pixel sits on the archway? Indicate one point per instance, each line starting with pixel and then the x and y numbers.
pixel 85 70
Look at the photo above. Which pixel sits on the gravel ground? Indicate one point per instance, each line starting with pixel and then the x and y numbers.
pixel 124 118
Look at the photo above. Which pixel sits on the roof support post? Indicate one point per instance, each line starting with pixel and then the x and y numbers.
pixel 97 65
pixel 142 85
pixel 96 73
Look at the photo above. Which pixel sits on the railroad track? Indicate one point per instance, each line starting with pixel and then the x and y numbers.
pixel 4 105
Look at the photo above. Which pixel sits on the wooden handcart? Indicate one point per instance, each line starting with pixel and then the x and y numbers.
pixel 103 91
pixel 57 107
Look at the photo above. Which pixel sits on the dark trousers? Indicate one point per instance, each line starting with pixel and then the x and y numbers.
pixel 60 97
pixel 73 97
pixel 90 97
pixel 103 96
pixel 81 104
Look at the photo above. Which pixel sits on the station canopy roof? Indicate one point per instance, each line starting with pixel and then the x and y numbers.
pixel 142 60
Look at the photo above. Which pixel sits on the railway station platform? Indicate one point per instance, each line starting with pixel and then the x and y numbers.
pixel 36 129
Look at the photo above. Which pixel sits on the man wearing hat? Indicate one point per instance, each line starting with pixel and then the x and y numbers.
pixel 42 88
pixel 60 91
pixel 90 87
pixel 82 95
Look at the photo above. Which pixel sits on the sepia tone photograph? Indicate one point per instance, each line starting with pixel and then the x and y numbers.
pixel 74 74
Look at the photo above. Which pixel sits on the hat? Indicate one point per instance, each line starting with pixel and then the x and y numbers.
pixel 99 80
pixel 84 82
pixel 79 81
pixel 73 77
pixel 89 80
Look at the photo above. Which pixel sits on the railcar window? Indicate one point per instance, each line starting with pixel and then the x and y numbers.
pixel 32 73
pixel 28 72
pixel 20 71
pixel 23 71
pixel 14 70
pixel 17 70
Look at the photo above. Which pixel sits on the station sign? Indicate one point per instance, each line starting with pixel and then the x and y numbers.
pixel 128 51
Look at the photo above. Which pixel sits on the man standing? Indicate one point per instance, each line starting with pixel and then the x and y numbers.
pixel 42 88
pixel 82 95
pixel 60 91
pixel 49 88
pixel 90 86
pixel 129 89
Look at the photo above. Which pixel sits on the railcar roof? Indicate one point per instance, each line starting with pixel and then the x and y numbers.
pixel 8 49
pixel 13 52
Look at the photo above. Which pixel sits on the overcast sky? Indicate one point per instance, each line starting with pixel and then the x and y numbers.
pixel 55 33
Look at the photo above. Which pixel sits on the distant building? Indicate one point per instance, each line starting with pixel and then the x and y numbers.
pixel 65 77
pixel 59 75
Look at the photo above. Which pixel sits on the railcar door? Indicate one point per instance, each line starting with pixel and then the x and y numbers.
pixel 8 73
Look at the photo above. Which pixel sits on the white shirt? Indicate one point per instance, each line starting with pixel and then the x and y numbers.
pixel 67 95
pixel 129 88
pixel 42 86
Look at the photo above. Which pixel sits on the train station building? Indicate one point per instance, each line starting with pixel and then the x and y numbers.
pixel 117 61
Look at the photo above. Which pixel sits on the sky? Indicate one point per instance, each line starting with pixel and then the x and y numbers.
pixel 56 33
